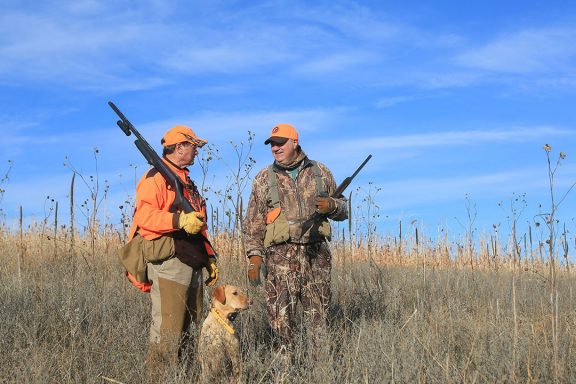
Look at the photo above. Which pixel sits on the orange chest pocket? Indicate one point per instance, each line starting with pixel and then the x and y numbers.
pixel 273 215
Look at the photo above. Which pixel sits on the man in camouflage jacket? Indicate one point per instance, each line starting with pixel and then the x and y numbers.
pixel 296 266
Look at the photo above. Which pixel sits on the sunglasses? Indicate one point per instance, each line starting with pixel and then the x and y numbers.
pixel 277 144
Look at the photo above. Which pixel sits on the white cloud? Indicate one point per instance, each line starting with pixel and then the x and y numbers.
pixel 234 126
pixel 426 151
pixel 90 46
pixel 413 192
pixel 226 58
pixel 443 79
pixel 387 102
pixel 67 50
pixel 447 138
pixel 524 52
pixel 337 62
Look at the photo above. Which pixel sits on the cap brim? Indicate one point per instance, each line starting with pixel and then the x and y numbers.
pixel 198 142
pixel 277 140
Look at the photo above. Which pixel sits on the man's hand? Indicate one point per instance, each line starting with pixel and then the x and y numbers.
pixel 255 265
pixel 191 222
pixel 325 205
pixel 212 270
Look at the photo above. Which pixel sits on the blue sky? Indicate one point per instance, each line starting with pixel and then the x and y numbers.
pixel 452 99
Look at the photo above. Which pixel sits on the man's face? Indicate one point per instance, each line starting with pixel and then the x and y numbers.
pixel 188 153
pixel 284 153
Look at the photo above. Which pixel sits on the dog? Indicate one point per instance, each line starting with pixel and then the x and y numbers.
pixel 219 344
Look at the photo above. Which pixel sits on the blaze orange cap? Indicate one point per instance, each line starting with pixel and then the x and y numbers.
pixel 180 134
pixel 281 133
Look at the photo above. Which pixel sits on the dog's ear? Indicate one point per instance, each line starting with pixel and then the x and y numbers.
pixel 219 294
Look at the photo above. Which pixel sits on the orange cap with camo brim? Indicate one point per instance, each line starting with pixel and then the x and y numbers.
pixel 180 134
pixel 281 133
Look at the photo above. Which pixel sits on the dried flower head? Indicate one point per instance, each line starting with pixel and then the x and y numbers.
pixel 547 148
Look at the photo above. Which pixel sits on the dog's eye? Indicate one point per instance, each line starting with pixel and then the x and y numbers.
pixel 235 293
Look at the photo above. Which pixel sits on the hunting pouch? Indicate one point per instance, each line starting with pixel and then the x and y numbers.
pixel 138 251
pixel 321 230
pixel 277 228
pixel 191 249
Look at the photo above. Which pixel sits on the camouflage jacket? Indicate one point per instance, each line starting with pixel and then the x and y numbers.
pixel 297 201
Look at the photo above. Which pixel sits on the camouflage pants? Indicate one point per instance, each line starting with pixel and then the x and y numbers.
pixel 298 273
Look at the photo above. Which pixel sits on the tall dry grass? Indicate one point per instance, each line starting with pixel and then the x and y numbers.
pixel 401 312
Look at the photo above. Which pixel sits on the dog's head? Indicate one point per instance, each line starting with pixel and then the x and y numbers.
pixel 229 299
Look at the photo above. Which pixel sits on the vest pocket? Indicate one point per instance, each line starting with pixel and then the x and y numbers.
pixel 278 229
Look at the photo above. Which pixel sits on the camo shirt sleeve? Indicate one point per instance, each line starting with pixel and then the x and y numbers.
pixel 255 223
pixel 341 212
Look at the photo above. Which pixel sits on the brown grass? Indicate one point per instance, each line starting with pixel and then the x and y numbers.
pixel 415 313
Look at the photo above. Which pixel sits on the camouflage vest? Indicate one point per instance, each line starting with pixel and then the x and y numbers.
pixel 278 228
pixel 275 197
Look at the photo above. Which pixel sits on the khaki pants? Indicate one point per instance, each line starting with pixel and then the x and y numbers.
pixel 176 295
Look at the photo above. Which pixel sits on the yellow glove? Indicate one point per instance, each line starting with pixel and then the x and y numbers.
pixel 212 270
pixel 191 222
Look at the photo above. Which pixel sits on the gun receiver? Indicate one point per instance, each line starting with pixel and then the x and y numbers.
pixel 154 160
pixel 337 193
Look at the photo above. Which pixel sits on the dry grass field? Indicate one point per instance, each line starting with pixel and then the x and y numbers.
pixel 399 314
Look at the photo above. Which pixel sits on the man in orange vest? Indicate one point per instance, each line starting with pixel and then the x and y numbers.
pixel 176 292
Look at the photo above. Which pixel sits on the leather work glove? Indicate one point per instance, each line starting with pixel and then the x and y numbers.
pixel 212 270
pixel 254 267
pixel 191 222
pixel 325 205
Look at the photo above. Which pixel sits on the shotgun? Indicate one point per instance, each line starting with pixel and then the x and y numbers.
pixel 154 160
